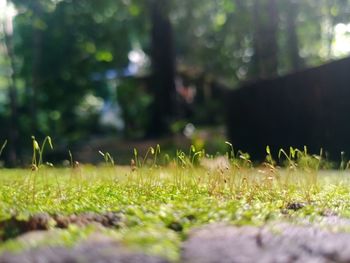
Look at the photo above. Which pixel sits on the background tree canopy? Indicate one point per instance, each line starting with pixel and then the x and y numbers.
pixel 65 62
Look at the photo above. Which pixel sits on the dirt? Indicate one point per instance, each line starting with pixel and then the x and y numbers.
pixel 14 227
pixel 108 219
pixel 295 206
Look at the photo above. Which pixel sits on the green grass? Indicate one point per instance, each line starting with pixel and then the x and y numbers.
pixel 161 204
pixel 161 199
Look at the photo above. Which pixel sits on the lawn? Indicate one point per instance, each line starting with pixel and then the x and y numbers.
pixel 153 207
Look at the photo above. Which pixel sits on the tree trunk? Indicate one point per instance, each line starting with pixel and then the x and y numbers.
pixel 292 36
pixel 12 97
pixel 163 63
pixel 330 28
pixel 36 76
pixel 265 14
pixel 271 46
pixel 257 58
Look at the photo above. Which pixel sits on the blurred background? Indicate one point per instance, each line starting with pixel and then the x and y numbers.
pixel 112 75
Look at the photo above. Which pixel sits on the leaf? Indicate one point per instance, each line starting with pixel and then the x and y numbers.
pixel 229 144
pixel 134 10
pixel 50 142
pixel 36 145
pixel 220 20
pixel 104 56
pixel 229 6
pixel 3 147
pixel 292 152
pixel 193 149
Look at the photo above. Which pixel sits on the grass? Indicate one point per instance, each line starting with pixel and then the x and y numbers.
pixel 160 204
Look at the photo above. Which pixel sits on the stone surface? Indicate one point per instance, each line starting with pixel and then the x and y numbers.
pixel 326 239
pixel 98 249
pixel 280 243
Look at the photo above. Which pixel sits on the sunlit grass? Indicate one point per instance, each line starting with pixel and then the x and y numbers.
pixel 159 204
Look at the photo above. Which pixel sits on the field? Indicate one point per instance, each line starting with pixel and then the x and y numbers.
pixel 153 208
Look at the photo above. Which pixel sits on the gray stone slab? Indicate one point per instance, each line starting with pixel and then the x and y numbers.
pixel 98 249
pixel 281 243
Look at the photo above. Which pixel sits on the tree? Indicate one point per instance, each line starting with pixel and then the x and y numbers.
pixel 292 35
pixel 266 23
pixel 62 46
pixel 59 46
pixel 163 65
pixel 12 129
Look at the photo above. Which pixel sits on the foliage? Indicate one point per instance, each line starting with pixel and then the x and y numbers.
pixel 60 45
pixel 135 101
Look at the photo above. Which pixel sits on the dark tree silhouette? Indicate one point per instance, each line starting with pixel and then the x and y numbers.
pixel 12 129
pixel 265 15
pixel 292 36
pixel 163 62
pixel 37 48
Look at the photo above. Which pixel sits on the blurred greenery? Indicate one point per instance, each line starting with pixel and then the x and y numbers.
pixel 66 60
pixel 134 100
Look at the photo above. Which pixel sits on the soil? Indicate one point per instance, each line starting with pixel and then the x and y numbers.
pixel 14 227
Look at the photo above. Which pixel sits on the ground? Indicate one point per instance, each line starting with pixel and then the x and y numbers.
pixel 190 209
